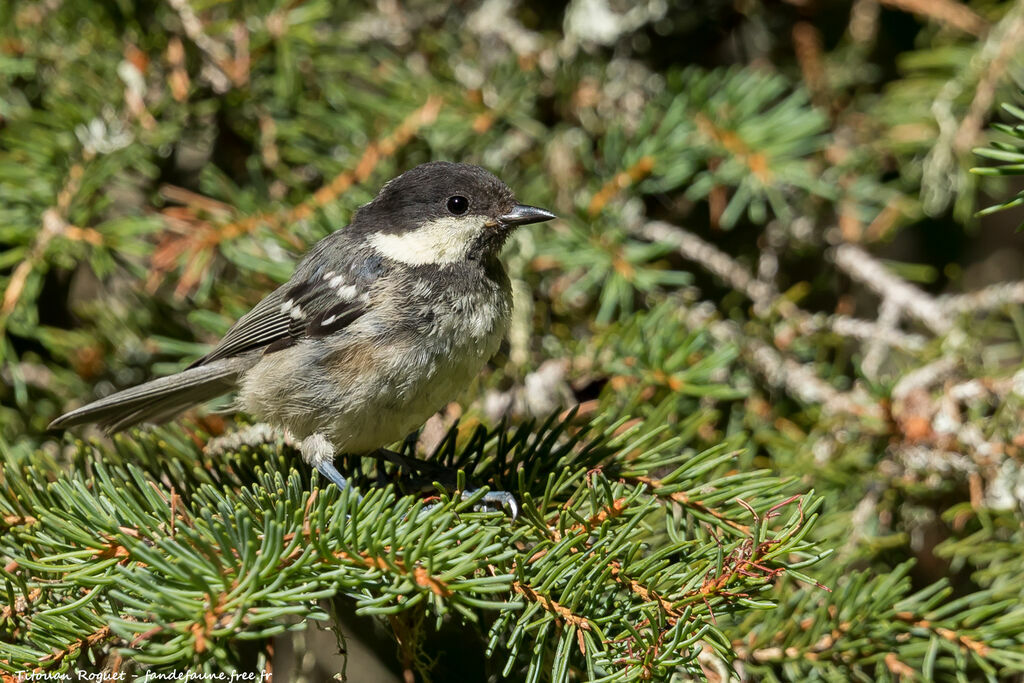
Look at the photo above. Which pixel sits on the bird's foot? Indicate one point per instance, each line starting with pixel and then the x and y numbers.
pixel 434 472
pixel 498 499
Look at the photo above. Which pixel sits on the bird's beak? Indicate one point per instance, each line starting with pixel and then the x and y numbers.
pixel 521 214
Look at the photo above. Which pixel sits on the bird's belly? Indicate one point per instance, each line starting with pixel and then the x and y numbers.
pixel 387 415
pixel 364 394
pixel 408 384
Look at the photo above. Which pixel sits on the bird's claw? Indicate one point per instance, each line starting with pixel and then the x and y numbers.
pixel 499 499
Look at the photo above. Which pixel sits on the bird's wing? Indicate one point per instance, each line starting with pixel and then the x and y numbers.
pixel 316 302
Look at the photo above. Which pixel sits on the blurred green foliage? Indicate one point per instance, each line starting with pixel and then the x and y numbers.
pixel 790 349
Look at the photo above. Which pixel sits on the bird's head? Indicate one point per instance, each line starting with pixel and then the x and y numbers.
pixel 443 213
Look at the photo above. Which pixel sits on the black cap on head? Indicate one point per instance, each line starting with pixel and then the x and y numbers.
pixel 423 193
pixel 437 204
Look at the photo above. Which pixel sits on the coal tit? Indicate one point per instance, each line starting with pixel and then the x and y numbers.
pixel 380 326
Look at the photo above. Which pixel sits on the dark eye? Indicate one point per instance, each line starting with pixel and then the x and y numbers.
pixel 458 204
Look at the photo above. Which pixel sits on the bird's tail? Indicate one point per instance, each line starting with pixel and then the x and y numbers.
pixel 161 399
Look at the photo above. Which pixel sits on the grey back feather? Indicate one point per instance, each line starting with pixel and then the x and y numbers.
pixel 259 327
pixel 310 304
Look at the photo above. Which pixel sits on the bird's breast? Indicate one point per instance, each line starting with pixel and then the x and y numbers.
pixel 391 370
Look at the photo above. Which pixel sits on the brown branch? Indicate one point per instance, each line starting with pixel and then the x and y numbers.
pixel 672 613
pixel 683 499
pixel 608 512
pixel 136 62
pixel 946 12
pixel 18 520
pixel 214 615
pixel 21 604
pixel 425 580
pixel 978 647
pixel 829 640
pixel 808 48
pixel 550 605
pixel 221 72
pixel 54 225
pixel 898 667
pixel 864 21
pixel 198 247
pixel 406 646
pixel 419 575
pixel 742 561
pixel 774 654
pixel 58 656
pixel 177 80
pixel 632 175
pixel 756 161
pixel 1007 48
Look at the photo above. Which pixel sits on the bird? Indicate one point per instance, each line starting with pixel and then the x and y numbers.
pixel 381 324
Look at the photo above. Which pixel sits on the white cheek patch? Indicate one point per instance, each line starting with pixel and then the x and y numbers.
pixel 443 240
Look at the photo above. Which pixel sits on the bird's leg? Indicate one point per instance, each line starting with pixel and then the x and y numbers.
pixel 318 452
pixel 411 464
pixel 398 459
